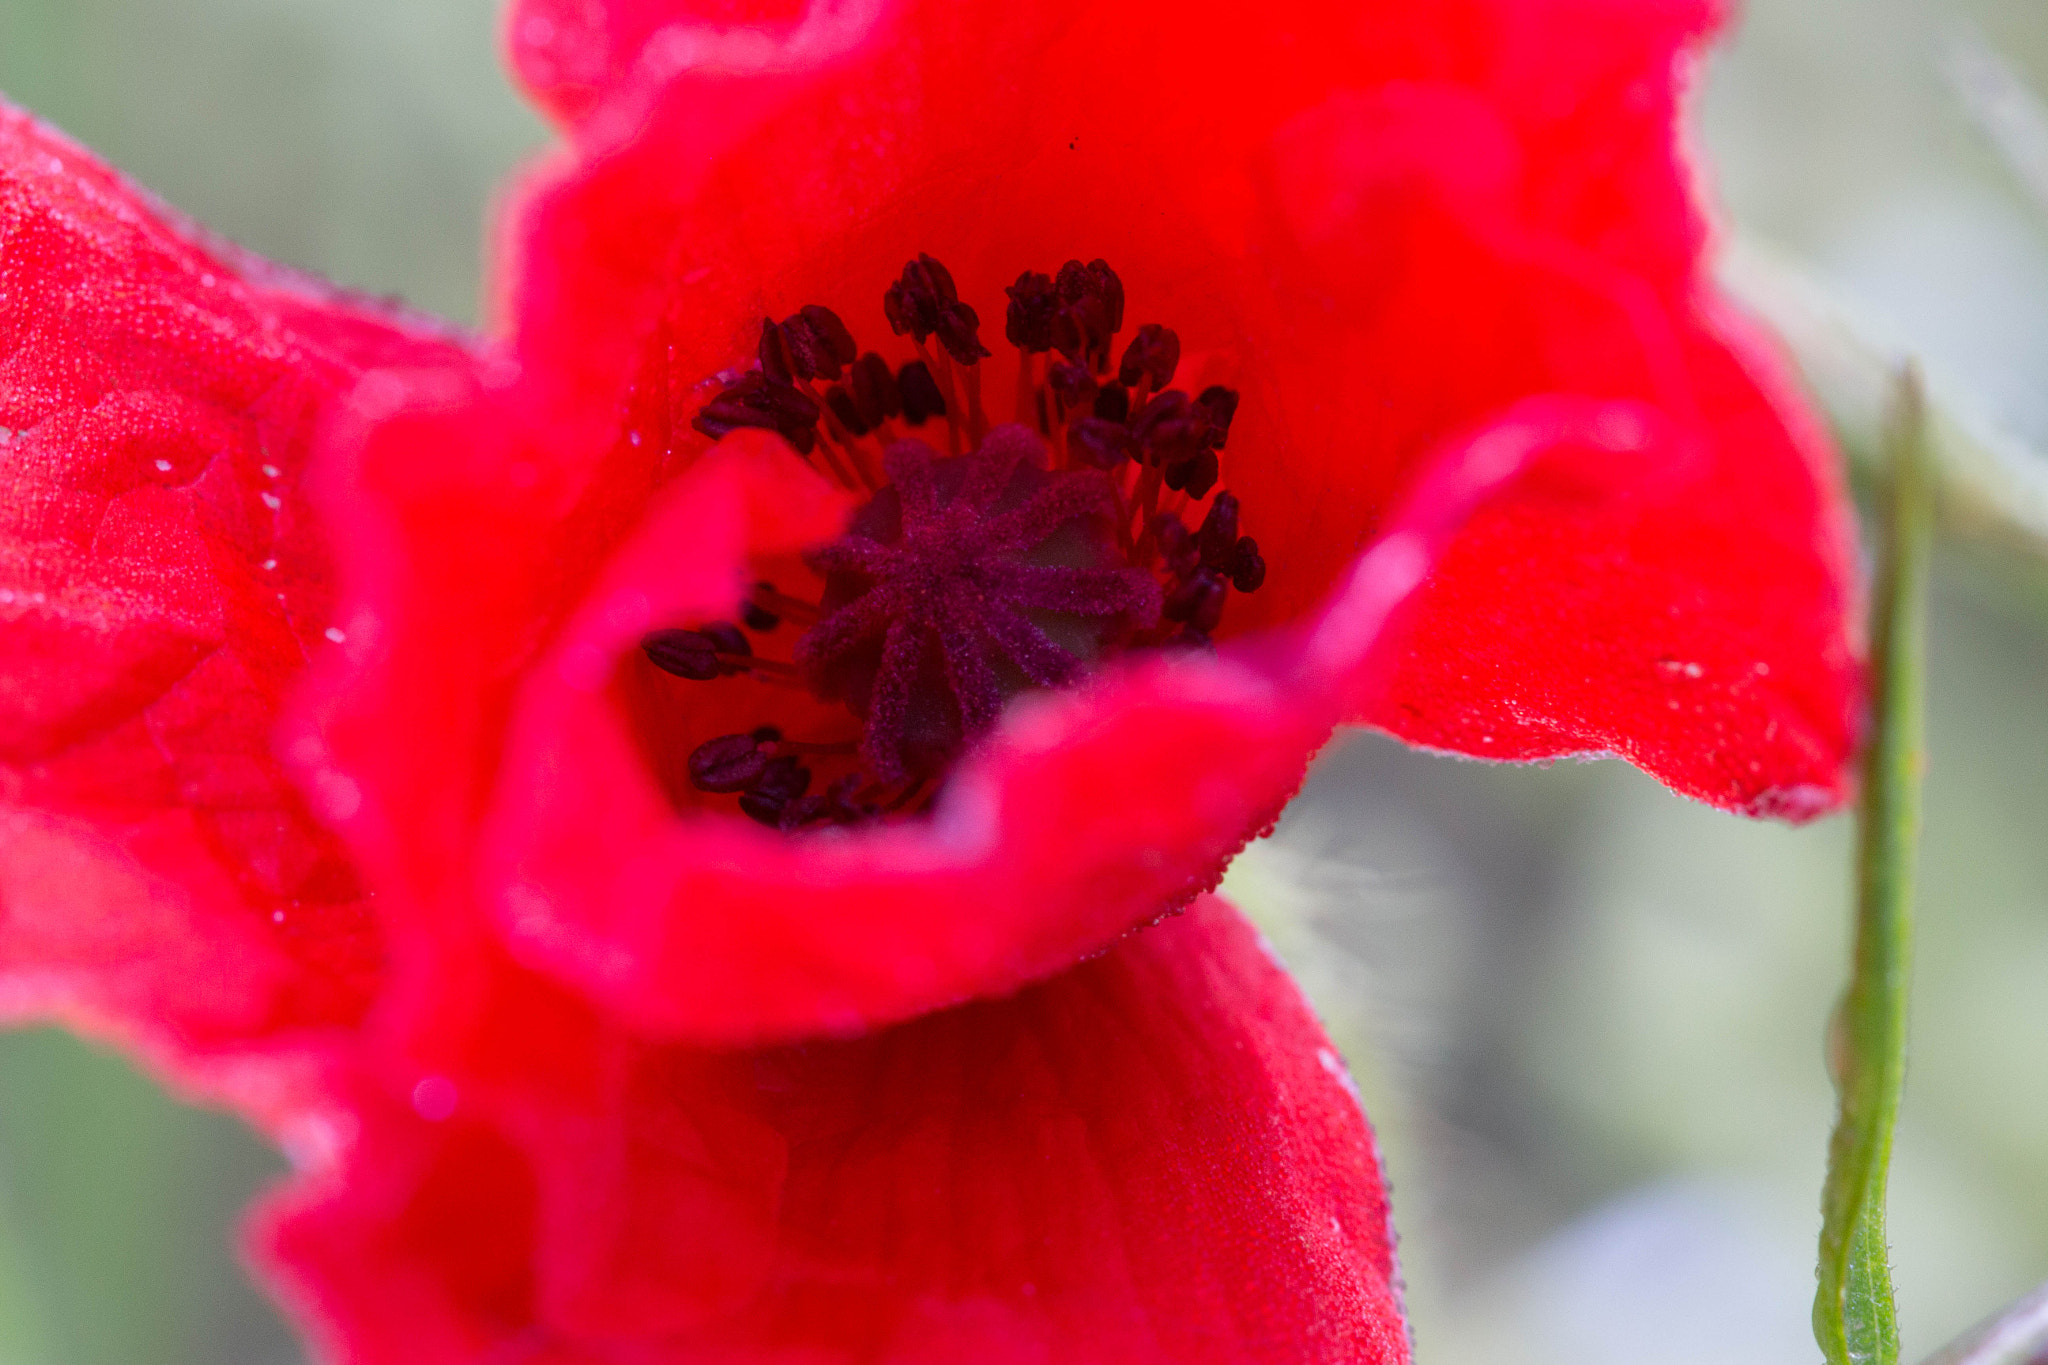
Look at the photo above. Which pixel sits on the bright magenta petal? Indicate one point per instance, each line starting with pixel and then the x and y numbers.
pixel 1154 1157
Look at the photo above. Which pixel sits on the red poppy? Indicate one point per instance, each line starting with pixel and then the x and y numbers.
pixel 1409 234
pixel 702 683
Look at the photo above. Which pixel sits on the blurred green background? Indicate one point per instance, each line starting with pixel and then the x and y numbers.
pixel 1587 1015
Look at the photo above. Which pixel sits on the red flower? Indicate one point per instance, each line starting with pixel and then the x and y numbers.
pixel 1395 278
pixel 1411 234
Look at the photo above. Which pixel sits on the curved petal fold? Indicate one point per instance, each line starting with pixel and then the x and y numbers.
pixel 161 585
pixel 1154 1157
pixel 1396 226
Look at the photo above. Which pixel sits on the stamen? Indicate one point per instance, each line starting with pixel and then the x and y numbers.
pixel 1220 404
pixel 1247 566
pixel 1152 356
pixel 1103 445
pixel 708 652
pixel 920 394
pixel 767 668
pixel 1091 312
pixel 759 401
pixel 1217 539
pixel 780 782
pixel 730 763
pixel 1019 559
pixel 874 391
pixel 1033 304
pixel 765 597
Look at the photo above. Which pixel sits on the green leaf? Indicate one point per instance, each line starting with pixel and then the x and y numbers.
pixel 1853 1316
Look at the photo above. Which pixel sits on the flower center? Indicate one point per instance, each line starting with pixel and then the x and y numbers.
pixel 1016 559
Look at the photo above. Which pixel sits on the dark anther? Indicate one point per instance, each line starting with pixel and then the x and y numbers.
pixel 1105 445
pixel 1176 544
pixel 1196 477
pixel 809 357
pixel 780 782
pixel 919 393
pixel 1221 406
pixel 830 335
pixel 726 637
pixel 840 803
pixel 1247 566
pixel 1217 540
pixel 1153 355
pixel 1080 333
pixel 1171 429
pixel 1113 403
pixel 1197 600
pixel 759 401
pixel 843 407
pixel 811 343
pixel 1074 385
pixel 1091 312
pixel 913 304
pixel 1028 324
pixel 685 653
pixel 959 333
pixel 1097 281
pixel 874 391
pixel 730 763
pixel 776 361
pixel 968 578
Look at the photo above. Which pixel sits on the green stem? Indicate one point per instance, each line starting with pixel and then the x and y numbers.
pixel 1853 1315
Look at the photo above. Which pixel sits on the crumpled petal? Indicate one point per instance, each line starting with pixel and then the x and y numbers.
pixel 1154 1157
pixel 161 585
pixel 1418 240
pixel 561 816
pixel 571 54
pixel 1397 221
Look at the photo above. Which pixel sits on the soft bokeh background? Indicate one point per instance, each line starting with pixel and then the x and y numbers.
pixel 1586 1014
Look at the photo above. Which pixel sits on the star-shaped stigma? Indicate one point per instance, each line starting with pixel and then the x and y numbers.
pixel 964 582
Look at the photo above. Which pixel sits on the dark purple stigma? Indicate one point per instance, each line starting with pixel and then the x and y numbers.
pixel 963 582
pixel 1045 550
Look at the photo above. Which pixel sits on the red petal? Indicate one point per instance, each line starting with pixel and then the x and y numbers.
pixel 571 54
pixel 1389 230
pixel 486 771
pixel 160 586
pixel 1454 228
pixel 1154 1157
pixel 1703 640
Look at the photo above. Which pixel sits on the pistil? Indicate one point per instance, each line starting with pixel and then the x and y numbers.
pixel 1022 557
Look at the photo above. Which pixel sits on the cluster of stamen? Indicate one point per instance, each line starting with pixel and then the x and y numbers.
pixel 1018 558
